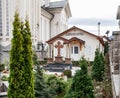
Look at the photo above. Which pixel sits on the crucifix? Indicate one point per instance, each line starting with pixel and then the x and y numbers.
pixel 58 46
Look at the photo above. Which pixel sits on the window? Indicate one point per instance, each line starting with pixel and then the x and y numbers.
pixel 74 50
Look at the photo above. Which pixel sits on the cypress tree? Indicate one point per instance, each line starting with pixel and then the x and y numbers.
pixel 82 84
pixel 27 55
pixel 102 65
pixel 106 48
pixel 97 68
pixel 21 72
pixel 16 83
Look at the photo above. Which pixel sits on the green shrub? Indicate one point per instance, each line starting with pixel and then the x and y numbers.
pixel 2 67
pixel 81 86
pixel 4 78
pixel 98 66
pixel 43 62
pixel 75 63
pixel 68 73
pixel 56 84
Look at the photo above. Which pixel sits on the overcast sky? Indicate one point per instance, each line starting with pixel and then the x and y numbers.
pixel 87 13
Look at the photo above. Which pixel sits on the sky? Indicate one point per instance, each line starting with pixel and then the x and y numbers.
pixel 87 13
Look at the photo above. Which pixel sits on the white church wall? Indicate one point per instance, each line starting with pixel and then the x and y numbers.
pixel 26 8
pixel 59 22
pixel 55 25
pixel 45 29
pixel 91 43
pixel 64 20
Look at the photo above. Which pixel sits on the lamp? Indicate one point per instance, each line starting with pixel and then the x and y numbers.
pixel 40 46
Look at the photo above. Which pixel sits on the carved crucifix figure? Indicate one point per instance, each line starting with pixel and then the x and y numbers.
pixel 58 46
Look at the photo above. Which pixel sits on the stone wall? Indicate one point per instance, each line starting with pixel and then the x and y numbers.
pixel 114 51
pixel 114 55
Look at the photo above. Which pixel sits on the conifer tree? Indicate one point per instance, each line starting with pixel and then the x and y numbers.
pixel 98 67
pixel 16 83
pixel 82 84
pixel 106 48
pixel 102 64
pixel 21 72
pixel 27 55
pixel 41 88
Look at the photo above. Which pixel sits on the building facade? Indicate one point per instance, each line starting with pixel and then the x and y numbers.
pixel 46 19
pixel 73 44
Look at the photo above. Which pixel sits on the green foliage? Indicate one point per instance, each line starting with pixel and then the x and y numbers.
pixel 43 62
pixel 106 48
pixel 98 66
pixel 16 84
pixel 27 55
pixel 4 78
pixel 82 84
pixel 75 63
pixel 68 73
pixel 21 71
pixel 34 58
pixel 41 88
pixel 2 67
pixel 56 84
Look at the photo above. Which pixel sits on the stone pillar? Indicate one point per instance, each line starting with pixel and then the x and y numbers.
pixel 116 50
pixel 50 53
pixel 68 59
pixel 67 50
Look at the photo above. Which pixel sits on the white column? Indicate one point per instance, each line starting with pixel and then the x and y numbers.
pixel 52 51
pixel 48 51
pixel 69 48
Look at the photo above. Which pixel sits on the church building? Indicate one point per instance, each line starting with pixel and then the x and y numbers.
pixel 74 43
pixel 51 37
pixel 46 19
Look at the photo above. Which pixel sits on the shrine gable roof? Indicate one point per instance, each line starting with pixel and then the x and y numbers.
pixel 53 40
pixel 76 39
pixel 74 28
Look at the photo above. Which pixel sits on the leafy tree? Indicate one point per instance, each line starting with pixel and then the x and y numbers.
pixel 98 66
pixel 82 84
pixel 16 79
pixel 106 48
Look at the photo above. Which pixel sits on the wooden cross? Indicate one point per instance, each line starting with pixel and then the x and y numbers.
pixel 58 46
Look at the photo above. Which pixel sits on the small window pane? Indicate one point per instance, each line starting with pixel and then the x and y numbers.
pixel 76 50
